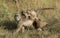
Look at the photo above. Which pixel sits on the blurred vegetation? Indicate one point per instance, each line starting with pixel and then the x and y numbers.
pixel 7 24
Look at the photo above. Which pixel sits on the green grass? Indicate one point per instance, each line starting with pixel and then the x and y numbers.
pixel 7 24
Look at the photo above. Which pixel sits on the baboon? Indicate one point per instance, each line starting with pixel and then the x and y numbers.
pixel 31 20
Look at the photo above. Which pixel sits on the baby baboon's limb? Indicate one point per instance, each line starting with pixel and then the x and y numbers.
pixel 19 27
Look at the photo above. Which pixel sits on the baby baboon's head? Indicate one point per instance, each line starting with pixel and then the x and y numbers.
pixel 17 17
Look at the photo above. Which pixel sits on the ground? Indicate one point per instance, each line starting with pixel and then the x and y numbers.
pixel 8 25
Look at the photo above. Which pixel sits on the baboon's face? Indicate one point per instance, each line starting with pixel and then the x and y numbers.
pixel 29 12
pixel 17 17
pixel 32 14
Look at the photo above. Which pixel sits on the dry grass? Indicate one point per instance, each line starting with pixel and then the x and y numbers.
pixel 8 8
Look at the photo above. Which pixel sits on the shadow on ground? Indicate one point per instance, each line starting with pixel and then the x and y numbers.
pixel 9 25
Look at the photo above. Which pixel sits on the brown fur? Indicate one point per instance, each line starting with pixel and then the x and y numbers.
pixel 24 23
pixel 29 22
pixel 41 24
